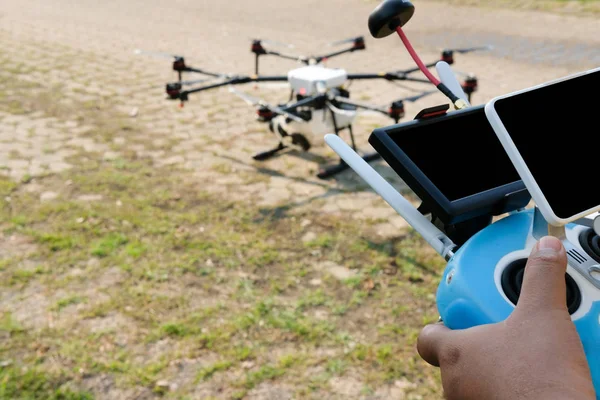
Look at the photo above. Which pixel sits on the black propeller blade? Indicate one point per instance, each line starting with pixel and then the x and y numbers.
pixel 184 83
pixel 419 96
pixel 470 49
pixel 157 54
pixel 348 40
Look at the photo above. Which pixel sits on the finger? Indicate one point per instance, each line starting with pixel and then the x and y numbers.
pixel 431 341
pixel 544 285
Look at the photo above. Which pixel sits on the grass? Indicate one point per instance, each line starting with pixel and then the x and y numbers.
pixel 181 286
pixel 574 7
pixel 169 291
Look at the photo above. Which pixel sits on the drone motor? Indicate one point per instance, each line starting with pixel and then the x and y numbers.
pixel 257 48
pixel 179 64
pixel 396 110
pixel 173 90
pixel 264 114
pixel 359 43
pixel 448 56
pixel 470 84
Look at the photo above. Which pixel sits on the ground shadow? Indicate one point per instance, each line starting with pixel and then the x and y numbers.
pixel 389 247
pixel 344 182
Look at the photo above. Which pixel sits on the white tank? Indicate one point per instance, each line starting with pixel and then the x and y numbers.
pixel 305 80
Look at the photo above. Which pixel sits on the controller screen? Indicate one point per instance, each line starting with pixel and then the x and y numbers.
pixel 556 130
pixel 461 155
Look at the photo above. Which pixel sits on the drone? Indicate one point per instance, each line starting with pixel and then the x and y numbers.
pixel 319 101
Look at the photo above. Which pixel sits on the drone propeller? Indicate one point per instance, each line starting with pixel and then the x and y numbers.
pixel 156 54
pixel 250 100
pixel 418 96
pixel 470 49
pixel 274 43
pixel 253 101
pixel 466 75
pixel 344 41
pixel 193 82
pixel 182 83
pixel 395 111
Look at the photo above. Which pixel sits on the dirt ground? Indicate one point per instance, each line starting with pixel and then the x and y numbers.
pixel 144 254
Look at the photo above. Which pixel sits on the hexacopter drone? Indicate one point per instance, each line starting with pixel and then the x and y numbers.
pixel 319 102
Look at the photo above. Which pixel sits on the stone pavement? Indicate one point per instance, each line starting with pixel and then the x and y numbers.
pixel 80 54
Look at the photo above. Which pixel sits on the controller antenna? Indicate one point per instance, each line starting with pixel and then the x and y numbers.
pixel 389 17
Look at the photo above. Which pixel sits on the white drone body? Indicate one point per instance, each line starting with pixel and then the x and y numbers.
pixel 311 80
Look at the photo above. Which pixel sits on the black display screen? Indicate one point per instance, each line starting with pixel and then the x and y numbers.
pixel 459 153
pixel 555 129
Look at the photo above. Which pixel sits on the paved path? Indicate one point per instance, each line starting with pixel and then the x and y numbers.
pixel 82 52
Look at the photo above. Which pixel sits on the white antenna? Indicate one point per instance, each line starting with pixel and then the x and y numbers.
pixel 436 238
pixel 448 78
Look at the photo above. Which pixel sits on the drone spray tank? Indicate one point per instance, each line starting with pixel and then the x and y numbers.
pixel 389 17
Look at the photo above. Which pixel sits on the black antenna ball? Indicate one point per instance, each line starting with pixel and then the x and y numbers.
pixel 389 15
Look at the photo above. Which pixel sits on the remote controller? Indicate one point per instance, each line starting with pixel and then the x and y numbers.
pixel 482 280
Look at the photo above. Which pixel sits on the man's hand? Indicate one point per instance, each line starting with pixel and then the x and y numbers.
pixel 534 354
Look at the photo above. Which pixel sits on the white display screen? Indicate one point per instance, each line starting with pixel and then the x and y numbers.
pixel 556 130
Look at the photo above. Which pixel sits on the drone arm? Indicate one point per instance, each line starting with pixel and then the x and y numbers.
pixel 275 78
pixel 415 69
pixel 287 57
pixel 306 102
pixel 200 71
pixel 344 100
pixel 237 81
pixel 233 81
pixel 337 53
pixel 258 50
pixel 366 76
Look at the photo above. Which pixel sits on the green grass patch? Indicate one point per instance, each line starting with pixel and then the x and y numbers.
pixel 208 372
pixel 55 242
pixel 9 326
pixel 35 384
pixel 108 244
pixel 68 301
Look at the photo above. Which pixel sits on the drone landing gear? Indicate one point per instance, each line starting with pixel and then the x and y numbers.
pixel 298 140
pixel 269 153
pixel 342 166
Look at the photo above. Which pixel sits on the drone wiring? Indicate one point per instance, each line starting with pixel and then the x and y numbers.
pixel 416 58
pixel 458 102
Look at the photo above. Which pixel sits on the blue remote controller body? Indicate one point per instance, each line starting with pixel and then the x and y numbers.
pixel 472 293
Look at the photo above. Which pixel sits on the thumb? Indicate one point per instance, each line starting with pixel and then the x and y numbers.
pixel 544 285
pixel 431 342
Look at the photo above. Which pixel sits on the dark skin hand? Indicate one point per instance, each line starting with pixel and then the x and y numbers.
pixel 534 354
